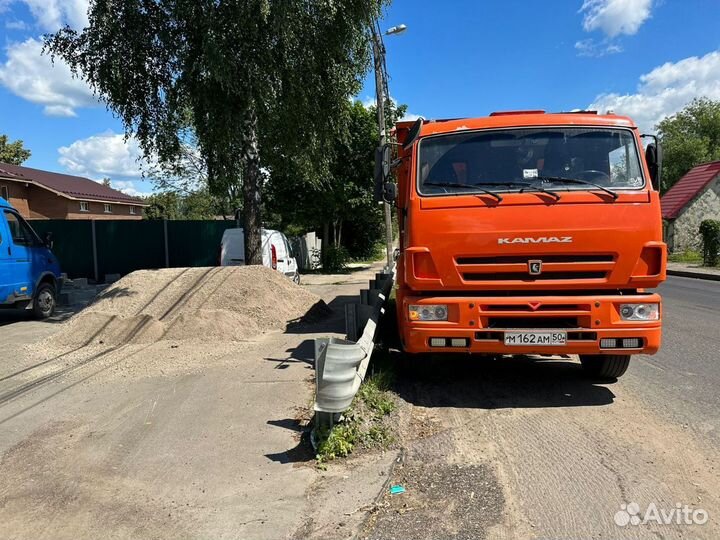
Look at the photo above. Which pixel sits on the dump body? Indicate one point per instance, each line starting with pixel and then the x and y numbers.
pixel 545 263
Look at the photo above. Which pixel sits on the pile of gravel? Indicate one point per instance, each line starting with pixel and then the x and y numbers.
pixel 217 304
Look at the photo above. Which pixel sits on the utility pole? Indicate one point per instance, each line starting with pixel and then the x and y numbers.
pixel 380 99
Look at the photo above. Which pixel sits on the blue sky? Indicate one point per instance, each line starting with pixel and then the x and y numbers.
pixel 645 58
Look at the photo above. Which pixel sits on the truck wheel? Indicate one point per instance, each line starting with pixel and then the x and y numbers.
pixel 296 278
pixel 611 366
pixel 44 301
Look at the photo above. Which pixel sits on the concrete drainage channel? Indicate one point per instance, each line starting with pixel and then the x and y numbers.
pixel 341 364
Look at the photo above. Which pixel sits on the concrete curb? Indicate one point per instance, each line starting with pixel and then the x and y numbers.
pixel 692 274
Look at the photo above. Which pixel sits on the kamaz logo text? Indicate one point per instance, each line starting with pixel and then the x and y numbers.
pixel 538 240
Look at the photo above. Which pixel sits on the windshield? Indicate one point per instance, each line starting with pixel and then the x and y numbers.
pixel 509 159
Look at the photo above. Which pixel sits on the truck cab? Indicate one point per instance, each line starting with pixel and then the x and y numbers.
pixel 529 233
pixel 29 272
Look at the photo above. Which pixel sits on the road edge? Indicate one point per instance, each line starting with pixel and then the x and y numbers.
pixel 691 274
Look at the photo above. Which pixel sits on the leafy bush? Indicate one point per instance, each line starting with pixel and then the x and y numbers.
pixel 338 442
pixel 374 393
pixel 364 424
pixel 335 259
pixel 710 231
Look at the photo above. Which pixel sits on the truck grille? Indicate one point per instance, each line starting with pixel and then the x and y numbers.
pixel 532 322
pixel 516 268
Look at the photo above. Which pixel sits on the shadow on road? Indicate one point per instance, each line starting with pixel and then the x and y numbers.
pixel 303 353
pixel 302 452
pixel 12 316
pixel 506 382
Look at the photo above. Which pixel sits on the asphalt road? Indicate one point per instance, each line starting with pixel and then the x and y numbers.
pixel 686 371
pixel 551 454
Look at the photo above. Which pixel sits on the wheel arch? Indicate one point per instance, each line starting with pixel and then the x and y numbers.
pixel 46 277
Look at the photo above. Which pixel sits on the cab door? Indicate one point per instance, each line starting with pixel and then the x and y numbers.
pixel 17 250
pixel 291 267
pixel 6 285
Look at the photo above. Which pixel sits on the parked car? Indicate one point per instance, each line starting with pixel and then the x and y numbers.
pixel 29 272
pixel 276 250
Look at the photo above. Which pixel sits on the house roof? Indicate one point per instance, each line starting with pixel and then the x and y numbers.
pixel 73 187
pixel 689 186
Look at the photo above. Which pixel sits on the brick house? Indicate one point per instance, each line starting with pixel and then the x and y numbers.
pixel 694 198
pixel 40 194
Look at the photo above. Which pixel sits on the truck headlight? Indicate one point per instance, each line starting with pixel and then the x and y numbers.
pixel 640 312
pixel 430 312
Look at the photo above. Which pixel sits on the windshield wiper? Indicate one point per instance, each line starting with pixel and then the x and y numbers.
pixel 525 186
pixel 563 180
pixel 466 186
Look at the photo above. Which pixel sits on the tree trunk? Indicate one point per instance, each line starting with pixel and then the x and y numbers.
pixel 251 190
pixel 325 243
pixel 338 233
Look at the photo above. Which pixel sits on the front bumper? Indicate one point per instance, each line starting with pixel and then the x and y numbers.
pixel 483 321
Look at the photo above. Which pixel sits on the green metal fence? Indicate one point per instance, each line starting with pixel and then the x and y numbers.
pixel 94 249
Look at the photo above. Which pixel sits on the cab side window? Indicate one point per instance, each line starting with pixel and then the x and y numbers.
pixel 20 232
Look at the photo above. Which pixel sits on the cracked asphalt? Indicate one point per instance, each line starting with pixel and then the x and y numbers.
pixel 555 455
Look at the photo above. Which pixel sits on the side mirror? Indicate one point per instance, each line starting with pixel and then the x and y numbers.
pixel 48 240
pixel 383 162
pixel 414 133
pixel 389 191
pixel 653 158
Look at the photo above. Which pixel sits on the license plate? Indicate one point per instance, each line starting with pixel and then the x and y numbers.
pixel 531 338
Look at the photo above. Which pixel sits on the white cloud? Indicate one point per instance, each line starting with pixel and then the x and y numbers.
pixel 32 76
pixel 128 187
pixel 615 17
pixel 410 117
pixel 51 15
pixel 370 102
pixel 106 154
pixel 596 49
pixel 666 90
pixel 16 25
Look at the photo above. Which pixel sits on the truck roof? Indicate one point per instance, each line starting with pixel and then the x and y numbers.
pixel 520 119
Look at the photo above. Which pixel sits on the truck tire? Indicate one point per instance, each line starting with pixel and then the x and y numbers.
pixel 611 366
pixel 296 278
pixel 44 301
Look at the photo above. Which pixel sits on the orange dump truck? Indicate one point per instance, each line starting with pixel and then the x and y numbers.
pixel 528 233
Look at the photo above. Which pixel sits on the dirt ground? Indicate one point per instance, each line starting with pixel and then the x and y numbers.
pixel 106 433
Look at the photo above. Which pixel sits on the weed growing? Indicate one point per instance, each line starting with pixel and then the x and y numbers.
pixel 366 424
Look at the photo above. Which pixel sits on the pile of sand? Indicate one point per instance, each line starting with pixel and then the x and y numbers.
pixel 219 304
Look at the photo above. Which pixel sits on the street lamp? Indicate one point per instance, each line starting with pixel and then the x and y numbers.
pixel 394 30
pixel 380 86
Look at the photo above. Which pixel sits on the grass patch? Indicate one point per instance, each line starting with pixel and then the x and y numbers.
pixel 365 424
pixel 687 256
pixel 378 254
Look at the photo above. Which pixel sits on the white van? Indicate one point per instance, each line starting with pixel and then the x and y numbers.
pixel 275 248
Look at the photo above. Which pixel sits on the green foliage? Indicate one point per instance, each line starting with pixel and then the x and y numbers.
pixel 689 138
pixel 173 205
pixel 338 442
pixel 363 424
pixel 375 253
pixel 374 392
pixel 13 153
pixel 336 197
pixel 710 231
pixel 335 260
pixel 687 256
pixel 259 83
